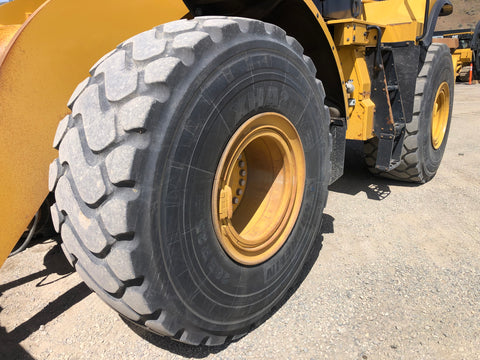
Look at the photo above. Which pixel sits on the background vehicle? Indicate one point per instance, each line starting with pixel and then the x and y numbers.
pixel 194 163
pixel 465 44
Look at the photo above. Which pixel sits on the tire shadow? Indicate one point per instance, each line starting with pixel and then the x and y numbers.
pixel 199 352
pixel 54 262
pixel 357 179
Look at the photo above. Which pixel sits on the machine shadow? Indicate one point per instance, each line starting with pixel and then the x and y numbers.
pixel 199 352
pixel 357 178
pixel 55 263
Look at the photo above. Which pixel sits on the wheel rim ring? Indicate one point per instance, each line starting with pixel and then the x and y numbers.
pixel 254 214
pixel 440 115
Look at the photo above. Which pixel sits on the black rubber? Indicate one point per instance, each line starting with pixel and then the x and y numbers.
pixel 136 165
pixel 419 159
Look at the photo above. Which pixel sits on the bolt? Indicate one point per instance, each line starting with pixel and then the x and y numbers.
pixel 242 182
pixel 241 164
pixel 235 200
pixel 239 192
pixel 243 173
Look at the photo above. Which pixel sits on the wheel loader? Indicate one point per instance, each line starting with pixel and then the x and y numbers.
pixel 190 163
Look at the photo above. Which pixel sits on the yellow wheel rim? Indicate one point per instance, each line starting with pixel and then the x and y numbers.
pixel 441 112
pixel 258 188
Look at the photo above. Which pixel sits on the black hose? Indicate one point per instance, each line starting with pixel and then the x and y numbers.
pixel 378 55
pixel 31 232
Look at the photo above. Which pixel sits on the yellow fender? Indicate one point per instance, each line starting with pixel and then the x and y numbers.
pixel 41 62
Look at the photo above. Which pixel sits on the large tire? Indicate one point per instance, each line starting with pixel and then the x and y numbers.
pixel 137 165
pixel 424 146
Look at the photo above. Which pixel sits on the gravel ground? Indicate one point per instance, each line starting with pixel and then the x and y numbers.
pixel 395 274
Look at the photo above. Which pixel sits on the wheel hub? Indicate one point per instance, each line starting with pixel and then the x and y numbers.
pixel 258 188
pixel 440 114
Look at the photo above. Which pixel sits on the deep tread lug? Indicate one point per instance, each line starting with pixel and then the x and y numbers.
pixel 118 87
pixel 99 130
pixel 88 228
pixel 57 217
pixel 79 89
pixel 115 216
pixel 215 340
pixel 89 179
pixel 164 325
pixel 188 45
pixel 120 164
pixel 70 258
pixel 54 172
pixel 146 46
pixel 160 71
pixel 120 260
pixel 98 271
pixel 61 131
pixel 116 304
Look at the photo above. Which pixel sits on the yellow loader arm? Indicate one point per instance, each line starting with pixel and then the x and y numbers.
pixel 46 49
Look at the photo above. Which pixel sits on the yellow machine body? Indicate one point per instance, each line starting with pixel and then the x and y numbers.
pixel 46 48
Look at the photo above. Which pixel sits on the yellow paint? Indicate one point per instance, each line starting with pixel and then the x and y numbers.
pixel 402 19
pixel 16 12
pixel 360 125
pixel 355 70
pixel 254 213
pixel 44 62
pixel 440 114
pixel 7 32
pixel 461 58
pixel 353 32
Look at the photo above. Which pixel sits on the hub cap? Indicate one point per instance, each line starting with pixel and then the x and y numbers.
pixel 258 188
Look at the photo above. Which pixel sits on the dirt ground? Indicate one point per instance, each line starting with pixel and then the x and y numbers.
pixel 395 274
pixel 466 14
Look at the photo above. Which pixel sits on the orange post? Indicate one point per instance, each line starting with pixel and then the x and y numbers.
pixel 471 74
